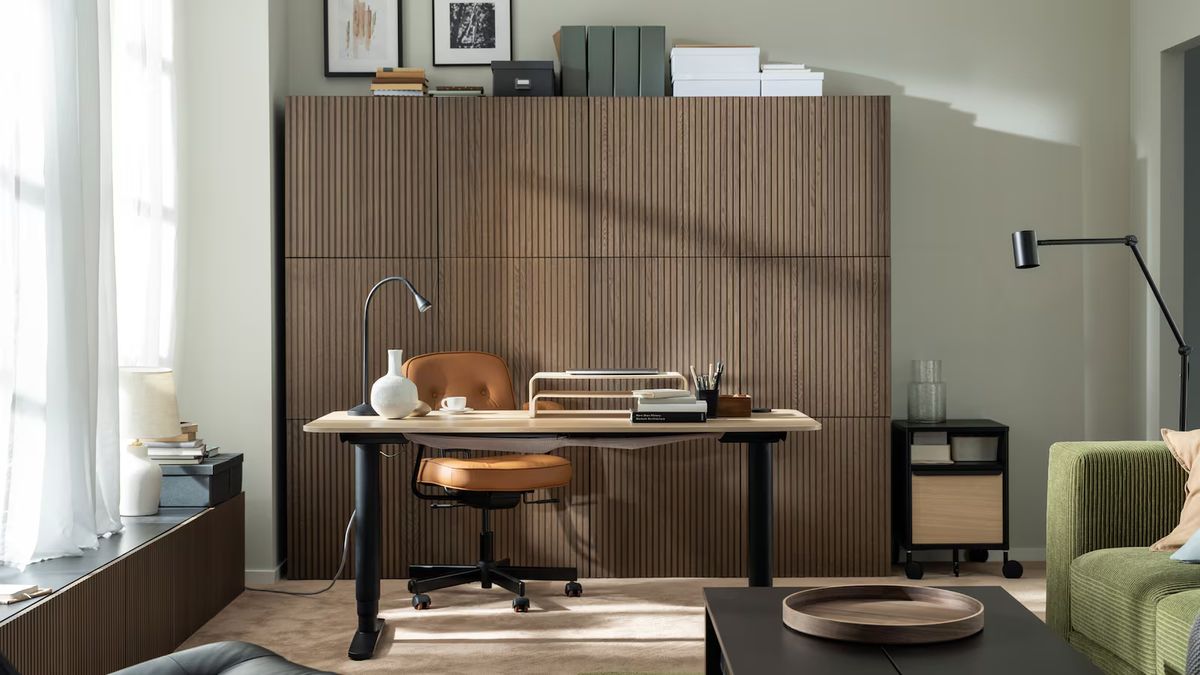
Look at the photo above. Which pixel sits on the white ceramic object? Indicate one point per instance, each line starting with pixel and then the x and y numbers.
pixel 394 396
pixel 141 482
pixel 454 403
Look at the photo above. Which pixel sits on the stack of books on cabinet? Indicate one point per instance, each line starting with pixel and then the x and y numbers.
pixel 734 70
pixel 186 448
pixel 656 406
pixel 613 60
pixel 399 82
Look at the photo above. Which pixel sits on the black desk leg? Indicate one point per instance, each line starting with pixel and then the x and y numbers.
pixel 759 525
pixel 712 648
pixel 366 551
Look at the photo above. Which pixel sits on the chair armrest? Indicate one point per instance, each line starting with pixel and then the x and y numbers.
pixel 1104 495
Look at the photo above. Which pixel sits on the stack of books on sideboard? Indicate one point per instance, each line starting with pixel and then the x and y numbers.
pixel 185 448
pixel 656 406
pixel 399 82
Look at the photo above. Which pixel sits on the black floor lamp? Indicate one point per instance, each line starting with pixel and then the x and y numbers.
pixel 1025 256
pixel 364 409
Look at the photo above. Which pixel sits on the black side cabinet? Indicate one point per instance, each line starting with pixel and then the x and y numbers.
pixel 950 491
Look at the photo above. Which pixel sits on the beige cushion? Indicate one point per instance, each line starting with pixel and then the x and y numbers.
pixel 502 473
pixel 1185 445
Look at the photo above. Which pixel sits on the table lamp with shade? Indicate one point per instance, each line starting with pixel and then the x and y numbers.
pixel 148 410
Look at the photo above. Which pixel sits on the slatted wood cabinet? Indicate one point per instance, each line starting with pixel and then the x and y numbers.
pixel 588 232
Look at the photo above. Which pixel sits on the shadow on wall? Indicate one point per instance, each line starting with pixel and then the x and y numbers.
pixel 1011 342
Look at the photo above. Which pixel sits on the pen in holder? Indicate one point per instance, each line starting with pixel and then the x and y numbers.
pixel 708 387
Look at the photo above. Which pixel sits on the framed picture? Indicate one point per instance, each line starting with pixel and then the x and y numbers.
pixel 361 36
pixel 471 32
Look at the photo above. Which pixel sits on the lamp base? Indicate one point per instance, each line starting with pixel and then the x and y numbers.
pixel 362 410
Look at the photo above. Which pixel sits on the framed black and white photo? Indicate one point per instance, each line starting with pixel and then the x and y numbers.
pixel 471 32
pixel 361 36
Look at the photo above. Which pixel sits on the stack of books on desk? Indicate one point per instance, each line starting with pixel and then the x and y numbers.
pixel 656 406
pixel 185 448
pixel 399 82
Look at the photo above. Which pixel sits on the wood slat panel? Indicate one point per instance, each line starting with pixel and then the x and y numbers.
pixel 817 334
pixel 356 171
pixel 324 329
pixel 513 177
pixel 139 607
pixel 591 232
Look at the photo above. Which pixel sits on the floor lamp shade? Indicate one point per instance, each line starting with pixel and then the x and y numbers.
pixel 1025 249
pixel 148 405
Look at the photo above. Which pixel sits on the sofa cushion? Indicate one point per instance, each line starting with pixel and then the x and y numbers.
pixel 1115 594
pixel 1175 616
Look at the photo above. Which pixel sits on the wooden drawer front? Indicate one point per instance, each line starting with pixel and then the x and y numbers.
pixel 958 509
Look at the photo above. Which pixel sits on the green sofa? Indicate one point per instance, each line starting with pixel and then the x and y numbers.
pixel 1128 608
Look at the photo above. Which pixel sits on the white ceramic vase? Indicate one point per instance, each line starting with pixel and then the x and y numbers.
pixel 141 482
pixel 394 396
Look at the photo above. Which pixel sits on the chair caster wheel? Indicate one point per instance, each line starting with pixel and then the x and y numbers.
pixel 520 604
pixel 421 601
pixel 1012 569
pixel 977 555
pixel 573 589
pixel 914 570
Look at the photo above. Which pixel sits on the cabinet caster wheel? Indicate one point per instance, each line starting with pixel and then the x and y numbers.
pixel 520 604
pixel 914 570
pixel 977 555
pixel 1012 569
pixel 573 589
pixel 421 601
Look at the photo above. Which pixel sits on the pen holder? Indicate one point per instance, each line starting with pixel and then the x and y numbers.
pixel 710 398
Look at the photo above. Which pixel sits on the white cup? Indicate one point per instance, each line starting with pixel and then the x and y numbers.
pixel 454 403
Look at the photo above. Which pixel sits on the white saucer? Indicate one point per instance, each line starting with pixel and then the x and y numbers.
pixel 456 412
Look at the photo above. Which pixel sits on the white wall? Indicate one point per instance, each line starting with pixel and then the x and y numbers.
pixel 1161 29
pixel 225 339
pixel 1006 115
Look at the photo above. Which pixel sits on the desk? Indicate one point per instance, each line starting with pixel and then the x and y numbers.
pixel 366 434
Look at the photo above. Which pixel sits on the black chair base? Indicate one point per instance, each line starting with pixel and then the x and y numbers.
pixel 512 578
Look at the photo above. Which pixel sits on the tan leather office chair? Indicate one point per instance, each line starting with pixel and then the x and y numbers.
pixel 484 483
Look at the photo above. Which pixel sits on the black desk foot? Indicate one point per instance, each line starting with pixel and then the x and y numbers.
pixel 362 647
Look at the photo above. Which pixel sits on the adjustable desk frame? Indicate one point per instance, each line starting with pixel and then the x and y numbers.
pixel 368 503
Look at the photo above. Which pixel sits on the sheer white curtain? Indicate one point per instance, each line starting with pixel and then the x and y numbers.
pixel 59 292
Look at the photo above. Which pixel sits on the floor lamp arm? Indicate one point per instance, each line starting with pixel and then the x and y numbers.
pixel 1185 350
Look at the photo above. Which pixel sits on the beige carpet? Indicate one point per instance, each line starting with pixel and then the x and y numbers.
pixel 619 625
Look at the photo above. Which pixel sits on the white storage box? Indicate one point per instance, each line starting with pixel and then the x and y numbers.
pixel 975 448
pixel 709 61
pixel 717 85
pixel 792 83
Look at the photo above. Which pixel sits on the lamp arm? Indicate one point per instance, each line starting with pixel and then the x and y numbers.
pixel 365 323
pixel 1137 254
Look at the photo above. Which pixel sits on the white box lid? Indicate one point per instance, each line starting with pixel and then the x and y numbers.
pixel 792 75
pixel 716 77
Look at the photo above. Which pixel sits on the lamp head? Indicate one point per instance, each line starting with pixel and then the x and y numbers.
pixel 423 303
pixel 1025 249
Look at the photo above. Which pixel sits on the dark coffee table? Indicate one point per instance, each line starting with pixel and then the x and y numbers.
pixel 744 632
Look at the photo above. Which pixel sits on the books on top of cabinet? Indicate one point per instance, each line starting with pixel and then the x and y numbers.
pixel 10 593
pixel 185 448
pixel 399 82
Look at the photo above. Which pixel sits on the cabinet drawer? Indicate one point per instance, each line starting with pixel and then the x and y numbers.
pixel 958 509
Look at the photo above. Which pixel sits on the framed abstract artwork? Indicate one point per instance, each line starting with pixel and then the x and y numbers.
pixel 361 36
pixel 472 32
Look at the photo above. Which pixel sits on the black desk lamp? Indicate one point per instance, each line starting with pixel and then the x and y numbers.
pixel 364 409
pixel 1025 256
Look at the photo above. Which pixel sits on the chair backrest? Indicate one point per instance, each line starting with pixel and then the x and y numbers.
pixel 482 377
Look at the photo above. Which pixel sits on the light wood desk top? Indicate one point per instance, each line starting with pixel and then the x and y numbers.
pixel 555 422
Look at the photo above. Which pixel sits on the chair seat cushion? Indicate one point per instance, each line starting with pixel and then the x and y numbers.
pixel 501 473
pixel 1176 614
pixel 1115 594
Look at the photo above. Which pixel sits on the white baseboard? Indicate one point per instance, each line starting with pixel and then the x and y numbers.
pixel 264 577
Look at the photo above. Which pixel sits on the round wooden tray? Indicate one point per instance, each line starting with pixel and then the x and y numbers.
pixel 883 614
